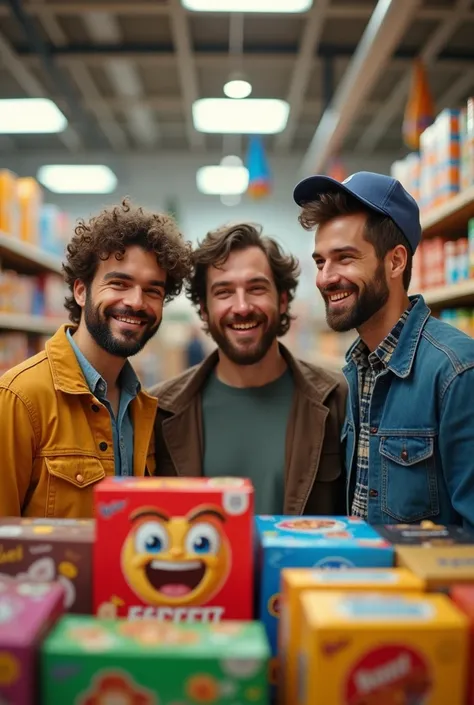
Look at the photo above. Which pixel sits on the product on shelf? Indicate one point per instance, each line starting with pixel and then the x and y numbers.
pixel 30 196
pixel 14 348
pixel 41 295
pixel 27 612
pixel 9 203
pixel 439 566
pixel 174 548
pixel 147 662
pixel 463 597
pixel 461 318
pixel 294 582
pixel 467 145
pixel 330 543
pixel 427 533
pixel 45 550
pixel 374 648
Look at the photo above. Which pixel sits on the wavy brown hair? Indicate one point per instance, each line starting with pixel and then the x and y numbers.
pixel 215 249
pixel 111 233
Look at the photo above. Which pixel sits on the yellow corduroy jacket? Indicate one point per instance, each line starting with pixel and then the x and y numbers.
pixel 56 439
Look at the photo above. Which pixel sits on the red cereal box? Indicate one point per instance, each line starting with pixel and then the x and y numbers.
pixel 176 549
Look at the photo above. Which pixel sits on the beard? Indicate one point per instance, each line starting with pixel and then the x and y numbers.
pixel 245 352
pixel 367 303
pixel 130 342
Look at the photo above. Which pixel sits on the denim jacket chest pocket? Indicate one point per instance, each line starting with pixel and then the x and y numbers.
pixel 409 487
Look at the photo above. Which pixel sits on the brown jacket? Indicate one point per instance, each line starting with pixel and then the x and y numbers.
pixel 314 476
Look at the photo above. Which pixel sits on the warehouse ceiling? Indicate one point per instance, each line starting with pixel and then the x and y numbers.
pixel 126 73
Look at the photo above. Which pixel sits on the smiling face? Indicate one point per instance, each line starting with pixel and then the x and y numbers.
pixel 122 308
pixel 243 307
pixel 176 561
pixel 350 277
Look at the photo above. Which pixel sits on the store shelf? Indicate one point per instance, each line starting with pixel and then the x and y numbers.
pixel 29 324
pixel 25 258
pixel 451 295
pixel 450 217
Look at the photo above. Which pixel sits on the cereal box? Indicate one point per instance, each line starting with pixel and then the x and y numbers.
pixel 331 543
pixel 51 549
pixel 295 581
pixel 463 597
pixel 27 611
pixel 440 566
pixel 87 661
pixel 379 648
pixel 425 534
pixel 174 548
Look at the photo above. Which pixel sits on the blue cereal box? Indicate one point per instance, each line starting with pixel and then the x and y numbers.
pixel 330 543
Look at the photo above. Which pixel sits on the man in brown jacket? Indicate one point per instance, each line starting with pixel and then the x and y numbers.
pixel 251 409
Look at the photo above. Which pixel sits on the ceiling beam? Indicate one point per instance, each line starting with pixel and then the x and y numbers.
pixel 459 90
pixel 187 71
pixel 378 126
pixel 388 23
pixel 302 70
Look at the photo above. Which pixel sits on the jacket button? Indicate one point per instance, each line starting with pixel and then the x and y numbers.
pixel 404 455
pixel 103 445
pixel 94 407
pixel 373 493
pixel 79 478
pixel 374 429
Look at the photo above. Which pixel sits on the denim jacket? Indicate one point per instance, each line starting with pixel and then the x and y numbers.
pixel 421 456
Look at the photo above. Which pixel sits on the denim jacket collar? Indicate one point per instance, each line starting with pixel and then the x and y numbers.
pixel 403 356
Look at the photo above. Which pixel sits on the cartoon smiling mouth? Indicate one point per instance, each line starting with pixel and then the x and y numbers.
pixel 175 578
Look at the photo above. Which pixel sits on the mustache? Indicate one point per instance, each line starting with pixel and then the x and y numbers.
pixel 131 313
pixel 253 318
pixel 333 288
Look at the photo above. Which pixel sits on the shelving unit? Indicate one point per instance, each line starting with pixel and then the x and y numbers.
pixel 29 324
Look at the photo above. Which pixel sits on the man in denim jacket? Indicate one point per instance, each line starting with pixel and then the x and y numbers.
pixel 409 431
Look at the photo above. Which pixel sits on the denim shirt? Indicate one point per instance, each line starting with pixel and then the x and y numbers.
pixel 421 426
pixel 122 426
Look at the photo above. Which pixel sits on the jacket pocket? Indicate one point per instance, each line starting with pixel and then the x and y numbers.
pixel 408 477
pixel 70 485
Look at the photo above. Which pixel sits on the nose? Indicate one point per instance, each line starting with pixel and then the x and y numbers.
pixel 241 305
pixel 134 297
pixel 327 276
pixel 176 552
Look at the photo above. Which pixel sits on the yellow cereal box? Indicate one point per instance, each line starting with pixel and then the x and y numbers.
pixel 375 648
pixel 439 566
pixel 295 581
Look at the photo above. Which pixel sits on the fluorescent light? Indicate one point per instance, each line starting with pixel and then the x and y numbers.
pixel 237 89
pixel 77 178
pixel 30 116
pixel 258 116
pixel 222 180
pixel 247 5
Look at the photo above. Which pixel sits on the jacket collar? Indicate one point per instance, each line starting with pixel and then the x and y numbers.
pixel 315 386
pixel 401 361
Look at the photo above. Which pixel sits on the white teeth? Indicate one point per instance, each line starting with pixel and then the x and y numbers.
pixel 338 297
pixel 135 321
pixel 243 326
pixel 175 565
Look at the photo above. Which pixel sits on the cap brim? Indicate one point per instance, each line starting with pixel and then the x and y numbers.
pixel 314 186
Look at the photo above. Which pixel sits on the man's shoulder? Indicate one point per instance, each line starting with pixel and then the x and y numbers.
pixel 170 389
pixel 28 377
pixel 449 345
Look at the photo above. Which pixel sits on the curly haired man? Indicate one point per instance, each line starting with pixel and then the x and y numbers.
pixel 75 412
pixel 251 409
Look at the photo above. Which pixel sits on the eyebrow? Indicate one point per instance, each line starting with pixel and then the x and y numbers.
pixel 338 251
pixel 127 277
pixel 148 512
pixel 254 280
pixel 206 511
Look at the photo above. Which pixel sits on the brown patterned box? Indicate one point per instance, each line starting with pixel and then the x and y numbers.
pixel 46 550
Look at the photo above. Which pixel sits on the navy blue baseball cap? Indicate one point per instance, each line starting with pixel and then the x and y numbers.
pixel 377 192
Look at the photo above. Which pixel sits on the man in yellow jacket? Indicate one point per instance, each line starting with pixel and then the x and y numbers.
pixel 75 412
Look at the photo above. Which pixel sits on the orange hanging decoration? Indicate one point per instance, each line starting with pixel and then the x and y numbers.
pixel 419 111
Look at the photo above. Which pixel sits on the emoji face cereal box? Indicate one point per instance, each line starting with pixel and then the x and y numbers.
pixel 88 661
pixel 295 581
pixel 381 649
pixel 44 550
pixel 330 543
pixel 27 611
pixel 174 548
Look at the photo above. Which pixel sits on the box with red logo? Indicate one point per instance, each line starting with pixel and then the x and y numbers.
pixel 375 648
pixel 463 597
pixel 174 549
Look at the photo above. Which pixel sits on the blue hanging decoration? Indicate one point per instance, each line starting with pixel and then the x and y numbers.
pixel 259 171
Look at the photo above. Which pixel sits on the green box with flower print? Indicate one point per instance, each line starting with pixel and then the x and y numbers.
pixel 89 661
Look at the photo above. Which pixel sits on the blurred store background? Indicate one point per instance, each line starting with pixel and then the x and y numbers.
pixel 213 110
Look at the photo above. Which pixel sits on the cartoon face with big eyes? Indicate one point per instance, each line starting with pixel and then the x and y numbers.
pixel 176 560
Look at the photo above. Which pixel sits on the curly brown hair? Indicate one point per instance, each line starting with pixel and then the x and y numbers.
pixel 112 232
pixel 215 249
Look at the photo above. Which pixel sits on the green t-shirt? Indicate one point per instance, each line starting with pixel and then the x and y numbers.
pixel 245 436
